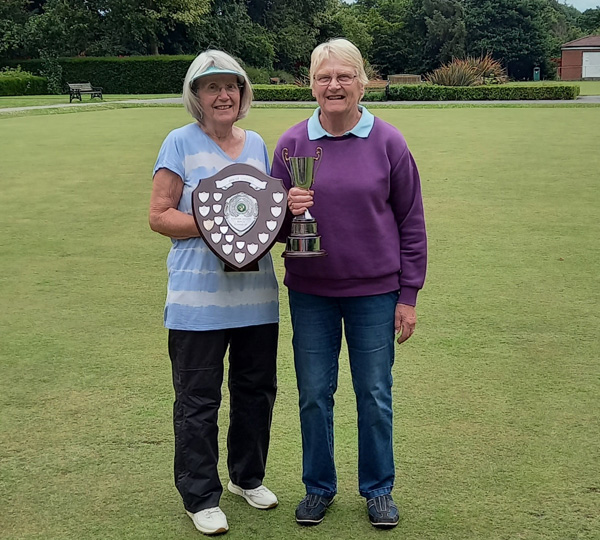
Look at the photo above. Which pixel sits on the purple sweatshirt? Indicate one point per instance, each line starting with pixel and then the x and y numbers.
pixel 369 212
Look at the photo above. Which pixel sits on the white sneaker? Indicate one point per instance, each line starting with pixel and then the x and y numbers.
pixel 210 521
pixel 260 497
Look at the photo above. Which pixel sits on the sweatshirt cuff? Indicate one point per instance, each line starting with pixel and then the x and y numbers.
pixel 408 296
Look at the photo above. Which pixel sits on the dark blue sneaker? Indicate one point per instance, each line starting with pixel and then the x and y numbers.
pixel 312 508
pixel 383 512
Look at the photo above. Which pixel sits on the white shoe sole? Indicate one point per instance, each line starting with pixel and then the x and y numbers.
pixel 239 491
pixel 209 532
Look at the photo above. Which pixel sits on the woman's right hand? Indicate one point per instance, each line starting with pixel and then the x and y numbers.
pixel 299 200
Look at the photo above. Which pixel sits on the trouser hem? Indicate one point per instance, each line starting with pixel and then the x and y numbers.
pixel 377 492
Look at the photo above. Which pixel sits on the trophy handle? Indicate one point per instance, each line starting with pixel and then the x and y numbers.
pixel 285 154
pixel 319 152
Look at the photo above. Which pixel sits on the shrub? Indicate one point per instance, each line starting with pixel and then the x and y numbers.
pixel 258 75
pixel 429 92
pixel 455 73
pixel 15 82
pixel 282 92
pixel 487 70
pixel 52 71
pixel 375 95
pixel 469 72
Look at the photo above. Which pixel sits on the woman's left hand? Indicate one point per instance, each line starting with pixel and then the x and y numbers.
pixel 405 321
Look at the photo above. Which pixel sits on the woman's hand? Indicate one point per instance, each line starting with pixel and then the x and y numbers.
pixel 405 321
pixel 299 200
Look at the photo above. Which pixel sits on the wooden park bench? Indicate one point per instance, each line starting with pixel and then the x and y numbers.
pixel 76 89
pixel 378 85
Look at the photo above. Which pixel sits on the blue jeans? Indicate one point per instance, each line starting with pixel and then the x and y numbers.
pixel 369 331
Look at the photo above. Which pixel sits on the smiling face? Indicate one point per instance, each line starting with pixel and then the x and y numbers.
pixel 335 98
pixel 219 97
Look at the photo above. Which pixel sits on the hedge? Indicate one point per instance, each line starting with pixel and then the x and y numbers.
pixel 429 92
pixel 133 74
pixel 129 75
pixel 282 92
pixel 22 84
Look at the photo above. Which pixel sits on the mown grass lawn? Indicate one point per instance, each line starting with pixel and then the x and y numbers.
pixel 31 101
pixel 496 396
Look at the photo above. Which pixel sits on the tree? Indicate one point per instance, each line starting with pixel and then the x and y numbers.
pixel 63 28
pixel 589 21
pixel 228 26
pixel 391 50
pixel 142 26
pixel 13 20
pixel 446 31
pixel 513 31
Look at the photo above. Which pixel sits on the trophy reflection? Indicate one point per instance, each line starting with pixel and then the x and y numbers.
pixel 303 240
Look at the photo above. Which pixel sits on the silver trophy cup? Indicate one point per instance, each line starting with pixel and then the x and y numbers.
pixel 303 240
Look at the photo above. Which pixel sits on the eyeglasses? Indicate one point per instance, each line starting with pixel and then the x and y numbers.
pixel 213 89
pixel 344 79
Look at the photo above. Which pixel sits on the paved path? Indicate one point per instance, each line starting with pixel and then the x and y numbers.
pixel 579 100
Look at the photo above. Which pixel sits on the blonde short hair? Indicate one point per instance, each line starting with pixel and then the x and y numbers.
pixel 343 50
pixel 204 62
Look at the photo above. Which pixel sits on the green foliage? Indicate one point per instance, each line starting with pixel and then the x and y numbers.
pixel 375 95
pixel 514 31
pixel 15 82
pixel 456 73
pixel 469 72
pixel 282 92
pixel 52 71
pixel 430 92
pixel 446 32
pixel 487 70
pixel 130 75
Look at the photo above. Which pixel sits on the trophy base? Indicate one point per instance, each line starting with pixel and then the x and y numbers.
pixel 304 240
pixel 292 254
pixel 303 246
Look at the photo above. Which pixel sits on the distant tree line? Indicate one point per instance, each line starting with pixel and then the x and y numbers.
pixel 396 36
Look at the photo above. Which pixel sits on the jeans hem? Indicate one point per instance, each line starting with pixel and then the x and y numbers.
pixel 321 492
pixel 377 492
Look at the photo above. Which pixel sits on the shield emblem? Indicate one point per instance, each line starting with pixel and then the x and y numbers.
pixel 239 212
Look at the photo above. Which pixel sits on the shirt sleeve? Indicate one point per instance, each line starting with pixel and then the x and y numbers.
pixel 170 156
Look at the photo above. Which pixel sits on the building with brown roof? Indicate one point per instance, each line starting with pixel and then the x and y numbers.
pixel 581 59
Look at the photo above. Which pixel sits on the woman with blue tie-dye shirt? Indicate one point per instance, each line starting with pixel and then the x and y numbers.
pixel 208 309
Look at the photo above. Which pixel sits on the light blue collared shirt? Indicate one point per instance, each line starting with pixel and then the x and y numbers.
pixel 362 129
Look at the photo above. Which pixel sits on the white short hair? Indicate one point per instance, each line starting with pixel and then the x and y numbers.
pixel 214 59
pixel 343 50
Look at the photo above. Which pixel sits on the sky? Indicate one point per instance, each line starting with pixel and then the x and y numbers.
pixel 582 5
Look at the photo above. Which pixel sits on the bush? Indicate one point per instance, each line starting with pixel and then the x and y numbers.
pixel 455 73
pixel 129 75
pixel 469 72
pixel 282 92
pixel 14 82
pixel 487 70
pixel 375 95
pixel 430 92
pixel 258 75
pixel 52 71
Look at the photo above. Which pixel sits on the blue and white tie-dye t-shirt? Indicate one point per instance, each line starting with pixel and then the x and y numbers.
pixel 201 295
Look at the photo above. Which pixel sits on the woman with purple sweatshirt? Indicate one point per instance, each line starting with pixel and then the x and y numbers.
pixel 367 203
